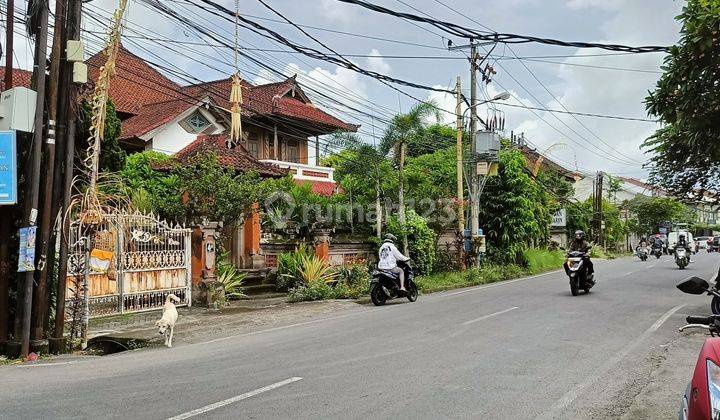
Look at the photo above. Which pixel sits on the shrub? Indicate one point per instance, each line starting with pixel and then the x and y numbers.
pixel 229 276
pixel 421 240
pixel 288 267
pixel 352 281
pixel 539 260
pixel 313 291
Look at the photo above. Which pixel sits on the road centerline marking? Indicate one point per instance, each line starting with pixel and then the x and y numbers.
pixel 472 321
pixel 223 403
pixel 570 396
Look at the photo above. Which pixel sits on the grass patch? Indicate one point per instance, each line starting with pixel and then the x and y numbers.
pixel 541 260
pixel 473 277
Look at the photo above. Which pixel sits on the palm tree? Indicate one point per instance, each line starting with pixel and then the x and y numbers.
pixel 402 129
pixel 365 153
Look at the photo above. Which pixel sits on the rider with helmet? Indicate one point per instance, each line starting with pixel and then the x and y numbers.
pixel 581 245
pixel 389 256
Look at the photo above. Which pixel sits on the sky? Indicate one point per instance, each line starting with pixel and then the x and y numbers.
pixel 561 81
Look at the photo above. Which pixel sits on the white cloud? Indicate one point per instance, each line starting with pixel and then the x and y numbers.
pixel 605 144
pixel 600 4
pixel 377 63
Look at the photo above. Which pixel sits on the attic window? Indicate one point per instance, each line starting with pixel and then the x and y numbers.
pixel 195 123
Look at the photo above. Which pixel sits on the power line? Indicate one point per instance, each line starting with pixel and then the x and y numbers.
pixel 506 38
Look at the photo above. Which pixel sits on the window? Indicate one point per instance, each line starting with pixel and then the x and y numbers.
pixel 253 145
pixel 195 123
pixel 292 151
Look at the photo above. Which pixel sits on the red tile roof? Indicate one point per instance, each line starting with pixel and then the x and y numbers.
pixel 237 158
pixel 152 116
pixel 20 78
pixel 136 83
pixel 325 188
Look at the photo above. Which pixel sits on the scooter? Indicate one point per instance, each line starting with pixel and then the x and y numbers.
pixel 702 396
pixel 681 257
pixel 385 285
pixel 642 253
pixel 657 252
pixel 576 270
pixel 698 286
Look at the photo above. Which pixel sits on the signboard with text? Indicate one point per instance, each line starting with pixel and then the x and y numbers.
pixel 8 168
pixel 559 219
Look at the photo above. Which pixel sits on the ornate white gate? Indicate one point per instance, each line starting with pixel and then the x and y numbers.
pixel 149 261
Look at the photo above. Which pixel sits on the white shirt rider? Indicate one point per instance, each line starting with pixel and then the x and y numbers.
pixel 389 256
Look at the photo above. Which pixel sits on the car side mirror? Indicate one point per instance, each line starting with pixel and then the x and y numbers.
pixel 694 286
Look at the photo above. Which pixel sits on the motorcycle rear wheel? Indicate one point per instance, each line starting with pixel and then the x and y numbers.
pixel 715 305
pixel 377 295
pixel 412 292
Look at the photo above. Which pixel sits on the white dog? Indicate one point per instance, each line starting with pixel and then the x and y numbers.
pixel 166 324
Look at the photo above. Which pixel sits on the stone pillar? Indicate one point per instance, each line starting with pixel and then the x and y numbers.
pixel 322 244
pixel 251 239
pixel 204 278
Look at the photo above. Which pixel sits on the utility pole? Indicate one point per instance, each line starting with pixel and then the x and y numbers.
pixel 459 157
pixel 401 193
pixel 474 181
pixel 598 196
pixel 6 212
pixel 31 197
pixel 41 303
pixel 66 134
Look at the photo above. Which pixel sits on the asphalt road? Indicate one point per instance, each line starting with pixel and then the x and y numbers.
pixel 519 349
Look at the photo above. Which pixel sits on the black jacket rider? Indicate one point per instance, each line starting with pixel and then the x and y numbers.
pixel 584 246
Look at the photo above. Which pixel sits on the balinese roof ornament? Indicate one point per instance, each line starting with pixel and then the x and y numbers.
pixel 236 92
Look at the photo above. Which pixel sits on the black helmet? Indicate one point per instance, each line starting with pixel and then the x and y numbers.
pixel 579 234
pixel 389 237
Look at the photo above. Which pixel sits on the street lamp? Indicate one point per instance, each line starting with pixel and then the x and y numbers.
pixel 502 96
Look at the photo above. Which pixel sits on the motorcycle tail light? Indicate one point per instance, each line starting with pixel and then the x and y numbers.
pixel 713 379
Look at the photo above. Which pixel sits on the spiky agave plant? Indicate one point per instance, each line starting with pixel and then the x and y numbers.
pixel 314 270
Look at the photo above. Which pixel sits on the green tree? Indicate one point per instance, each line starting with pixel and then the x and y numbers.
pixel 432 175
pixel 687 102
pixel 514 210
pixel 422 240
pixel 218 193
pixel 112 157
pixel 580 217
pixel 649 212
pixel 150 189
pixel 402 129
pixel 431 138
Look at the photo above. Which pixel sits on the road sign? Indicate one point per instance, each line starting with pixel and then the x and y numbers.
pixel 8 168
pixel 482 168
pixel 559 219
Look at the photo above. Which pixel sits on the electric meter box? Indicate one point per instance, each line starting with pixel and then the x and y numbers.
pixel 487 143
pixel 17 109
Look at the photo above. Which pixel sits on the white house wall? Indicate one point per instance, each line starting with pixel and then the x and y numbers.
pixel 171 137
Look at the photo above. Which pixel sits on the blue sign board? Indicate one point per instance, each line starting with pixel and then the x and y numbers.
pixel 8 168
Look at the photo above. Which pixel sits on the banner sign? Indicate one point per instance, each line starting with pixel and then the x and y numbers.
pixel 8 168
pixel 26 254
pixel 559 219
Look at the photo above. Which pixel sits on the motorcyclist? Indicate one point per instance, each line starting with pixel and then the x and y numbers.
pixel 581 245
pixel 389 256
pixel 682 243
pixel 658 242
pixel 642 244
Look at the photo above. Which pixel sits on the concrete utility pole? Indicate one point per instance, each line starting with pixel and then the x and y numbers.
pixel 459 157
pixel 6 212
pixel 66 132
pixel 401 192
pixel 32 193
pixel 474 180
pixel 41 301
